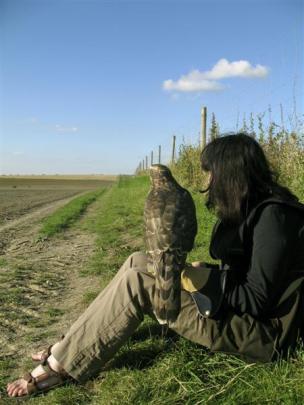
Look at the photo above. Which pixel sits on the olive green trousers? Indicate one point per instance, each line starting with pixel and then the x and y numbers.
pixel 114 316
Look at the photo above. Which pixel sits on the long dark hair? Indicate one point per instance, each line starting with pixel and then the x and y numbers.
pixel 241 176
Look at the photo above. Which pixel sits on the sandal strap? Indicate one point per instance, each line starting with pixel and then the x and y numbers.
pixel 27 377
pixel 47 352
pixel 48 369
pixel 48 379
pixel 31 383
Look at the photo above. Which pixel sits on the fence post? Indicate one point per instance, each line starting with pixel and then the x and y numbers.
pixel 159 154
pixel 143 164
pixel 146 162
pixel 173 149
pixel 151 157
pixel 203 127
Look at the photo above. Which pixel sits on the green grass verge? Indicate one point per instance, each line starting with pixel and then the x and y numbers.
pixel 65 216
pixel 150 369
pixel 153 370
pixel 118 223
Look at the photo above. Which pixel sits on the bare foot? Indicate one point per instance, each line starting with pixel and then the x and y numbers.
pixel 17 388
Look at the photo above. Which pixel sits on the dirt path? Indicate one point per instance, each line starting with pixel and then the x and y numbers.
pixel 41 291
pixel 11 230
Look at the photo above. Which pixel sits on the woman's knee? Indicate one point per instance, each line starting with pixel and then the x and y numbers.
pixel 137 261
pixel 137 278
pixel 130 259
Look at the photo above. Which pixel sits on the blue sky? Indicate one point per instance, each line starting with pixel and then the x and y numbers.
pixel 94 86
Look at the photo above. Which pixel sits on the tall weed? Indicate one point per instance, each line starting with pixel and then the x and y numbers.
pixel 286 156
pixel 283 147
pixel 187 168
pixel 285 152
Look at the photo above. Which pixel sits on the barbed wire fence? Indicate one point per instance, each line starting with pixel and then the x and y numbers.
pixel 161 156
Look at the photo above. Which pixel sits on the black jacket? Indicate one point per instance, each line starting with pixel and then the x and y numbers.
pixel 264 254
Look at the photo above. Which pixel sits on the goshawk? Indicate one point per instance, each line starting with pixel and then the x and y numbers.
pixel 170 230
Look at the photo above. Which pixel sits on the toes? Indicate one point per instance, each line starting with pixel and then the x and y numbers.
pixel 16 388
pixel 10 389
pixel 21 392
pixel 14 392
pixel 37 356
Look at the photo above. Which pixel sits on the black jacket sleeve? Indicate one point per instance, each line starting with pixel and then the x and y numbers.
pixel 273 243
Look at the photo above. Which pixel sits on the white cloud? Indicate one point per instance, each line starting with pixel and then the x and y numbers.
pixel 241 68
pixel 17 153
pixel 192 82
pixel 196 81
pixel 60 128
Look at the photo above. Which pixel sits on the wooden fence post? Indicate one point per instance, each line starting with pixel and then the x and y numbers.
pixel 173 149
pixel 159 154
pixel 146 162
pixel 151 157
pixel 203 127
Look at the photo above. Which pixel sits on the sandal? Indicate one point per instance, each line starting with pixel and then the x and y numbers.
pixel 45 381
pixel 45 353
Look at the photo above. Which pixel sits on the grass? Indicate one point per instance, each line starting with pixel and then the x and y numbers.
pixel 118 222
pixel 151 369
pixel 65 216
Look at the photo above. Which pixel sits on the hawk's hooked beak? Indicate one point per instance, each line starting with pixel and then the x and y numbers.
pixel 205 190
pixel 210 180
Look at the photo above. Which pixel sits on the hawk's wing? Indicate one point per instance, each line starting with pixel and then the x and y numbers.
pixel 185 225
pixel 171 227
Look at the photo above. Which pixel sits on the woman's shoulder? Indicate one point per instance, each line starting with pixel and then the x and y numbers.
pixel 275 215
pixel 278 214
pixel 276 207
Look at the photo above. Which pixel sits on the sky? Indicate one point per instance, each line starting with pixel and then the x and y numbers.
pixel 94 86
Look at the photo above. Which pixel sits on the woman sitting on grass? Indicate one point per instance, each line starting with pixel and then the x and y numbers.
pixel 259 239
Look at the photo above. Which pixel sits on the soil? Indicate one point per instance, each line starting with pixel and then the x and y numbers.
pixel 20 195
pixel 40 283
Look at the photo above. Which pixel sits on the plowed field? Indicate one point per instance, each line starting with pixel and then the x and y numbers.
pixel 21 195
